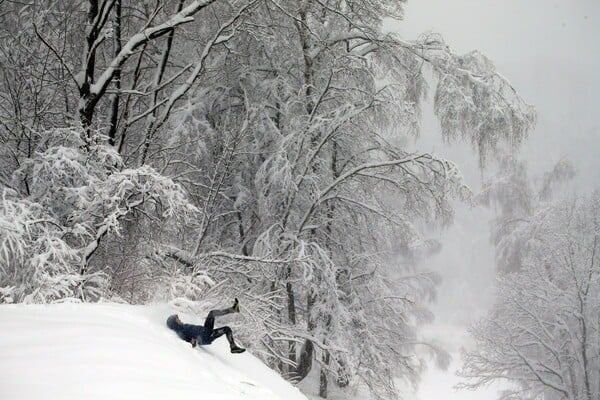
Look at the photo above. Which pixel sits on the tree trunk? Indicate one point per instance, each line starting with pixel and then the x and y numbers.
pixel 114 112
pixel 308 349
pixel 291 307
pixel 302 27
pixel 305 361
pixel 323 383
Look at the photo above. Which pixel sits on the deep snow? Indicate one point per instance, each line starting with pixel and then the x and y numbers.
pixel 113 351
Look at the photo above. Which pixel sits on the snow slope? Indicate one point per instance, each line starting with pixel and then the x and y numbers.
pixel 112 351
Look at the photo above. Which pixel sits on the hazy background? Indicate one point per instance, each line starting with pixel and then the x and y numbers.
pixel 550 51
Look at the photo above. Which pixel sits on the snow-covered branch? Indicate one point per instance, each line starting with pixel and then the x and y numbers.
pixel 182 17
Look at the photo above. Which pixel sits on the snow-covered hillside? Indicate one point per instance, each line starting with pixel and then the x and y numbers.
pixel 110 351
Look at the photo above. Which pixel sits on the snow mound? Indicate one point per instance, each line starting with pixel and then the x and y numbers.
pixel 113 351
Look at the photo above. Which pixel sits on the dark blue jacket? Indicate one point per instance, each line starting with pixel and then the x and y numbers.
pixel 188 332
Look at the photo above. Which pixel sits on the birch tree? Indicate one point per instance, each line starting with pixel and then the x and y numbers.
pixel 542 335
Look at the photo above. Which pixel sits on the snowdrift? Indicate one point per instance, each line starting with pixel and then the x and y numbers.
pixel 111 351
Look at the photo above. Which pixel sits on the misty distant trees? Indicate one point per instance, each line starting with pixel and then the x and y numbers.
pixel 544 331
pixel 191 150
pixel 515 197
pixel 543 334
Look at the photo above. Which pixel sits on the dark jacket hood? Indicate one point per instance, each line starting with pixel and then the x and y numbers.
pixel 172 323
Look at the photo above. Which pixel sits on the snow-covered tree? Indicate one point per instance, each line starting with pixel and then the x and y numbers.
pixel 295 150
pixel 64 201
pixel 107 64
pixel 543 333
pixel 515 198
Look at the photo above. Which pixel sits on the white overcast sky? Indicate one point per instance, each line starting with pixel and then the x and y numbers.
pixel 550 51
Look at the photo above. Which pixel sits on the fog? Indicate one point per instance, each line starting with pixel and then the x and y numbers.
pixel 550 51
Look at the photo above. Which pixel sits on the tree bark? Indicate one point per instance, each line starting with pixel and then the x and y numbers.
pixel 308 349
pixel 323 383
pixel 114 112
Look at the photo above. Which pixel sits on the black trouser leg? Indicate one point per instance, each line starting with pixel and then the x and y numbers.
pixel 225 330
pixel 209 323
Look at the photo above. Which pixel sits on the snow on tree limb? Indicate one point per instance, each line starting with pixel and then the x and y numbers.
pixel 190 260
pixel 184 16
pixel 76 199
pixel 217 38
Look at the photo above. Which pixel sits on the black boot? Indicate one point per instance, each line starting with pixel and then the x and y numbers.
pixel 235 349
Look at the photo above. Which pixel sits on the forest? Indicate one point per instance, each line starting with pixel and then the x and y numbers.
pixel 190 151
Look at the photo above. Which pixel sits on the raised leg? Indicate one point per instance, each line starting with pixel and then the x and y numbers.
pixel 209 323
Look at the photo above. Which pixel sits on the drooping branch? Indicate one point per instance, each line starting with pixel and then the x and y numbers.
pixel 91 248
pixel 218 38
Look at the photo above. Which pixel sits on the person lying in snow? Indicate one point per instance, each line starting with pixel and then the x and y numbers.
pixel 206 334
